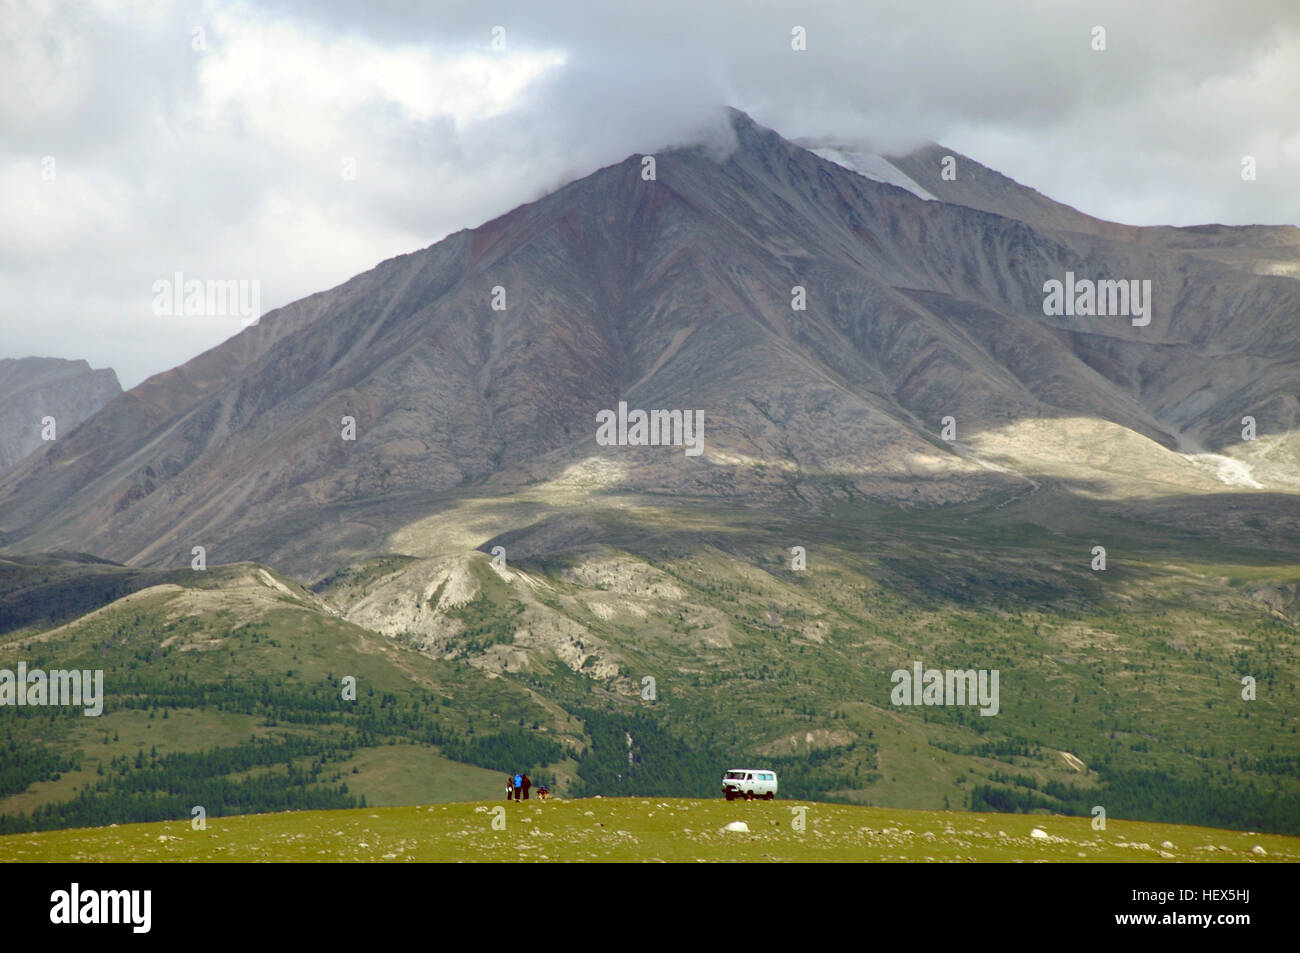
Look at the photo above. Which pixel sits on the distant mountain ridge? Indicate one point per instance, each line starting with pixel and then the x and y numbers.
pixel 34 388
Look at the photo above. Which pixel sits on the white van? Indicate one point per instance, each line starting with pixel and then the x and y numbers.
pixel 749 783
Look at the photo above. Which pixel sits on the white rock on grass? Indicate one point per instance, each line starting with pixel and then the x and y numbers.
pixel 1039 833
pixel 740 827
pixel 1167 845
pixel 1258 850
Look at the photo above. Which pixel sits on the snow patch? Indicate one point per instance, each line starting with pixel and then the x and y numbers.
pixel 872 166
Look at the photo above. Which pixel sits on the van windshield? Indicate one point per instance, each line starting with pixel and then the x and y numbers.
pixel 735 775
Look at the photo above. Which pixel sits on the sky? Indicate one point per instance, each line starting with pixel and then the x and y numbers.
pixel 296 144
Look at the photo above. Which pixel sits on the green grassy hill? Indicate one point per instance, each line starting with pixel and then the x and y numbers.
pixel 650 830
pixel 229 694
pixel 1120 689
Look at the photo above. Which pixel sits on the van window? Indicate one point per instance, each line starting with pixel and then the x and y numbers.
pixel 735 775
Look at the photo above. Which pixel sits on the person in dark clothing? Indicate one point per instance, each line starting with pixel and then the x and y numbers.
pixel 510 787
pixel 519 786
pixel 527 784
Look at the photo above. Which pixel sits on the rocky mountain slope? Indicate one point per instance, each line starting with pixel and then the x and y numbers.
pixel 34 388
pixel 677 294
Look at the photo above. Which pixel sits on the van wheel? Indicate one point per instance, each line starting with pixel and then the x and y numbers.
pixel 749 795
pixel 770 796
pixel 731 796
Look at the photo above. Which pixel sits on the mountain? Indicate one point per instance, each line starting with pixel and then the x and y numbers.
pixel 629 618
pixel 676 293
pixel 1258 249
pixel 34 388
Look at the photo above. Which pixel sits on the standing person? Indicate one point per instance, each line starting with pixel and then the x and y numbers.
pixel 519 786
pixel 510 787
pixel 527 784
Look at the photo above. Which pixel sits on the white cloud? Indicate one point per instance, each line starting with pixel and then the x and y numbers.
pixel 296 83
pixel 226 162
